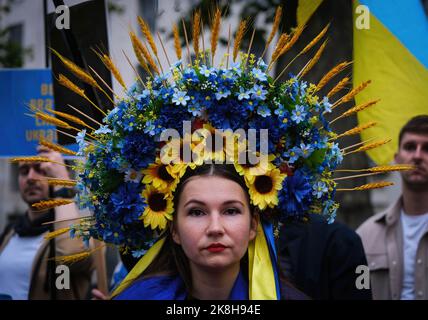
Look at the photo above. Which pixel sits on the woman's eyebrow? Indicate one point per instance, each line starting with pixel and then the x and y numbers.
pixel 233 201
pixel 194 201
pixel 203 203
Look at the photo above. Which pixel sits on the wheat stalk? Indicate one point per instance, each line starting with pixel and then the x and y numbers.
pixel 357 129
pixel 81 73
pixel 381 169
pixel 356 109
pixel 332 73
pixel 296 35
pixel 163 49
pixel 64 81
pixel 369 186
pixel 187 41
pixel 238 38
pixel 56 233
pixel 85 115
pixel 215 29
pixel 145 29
pixel 339 86
pixel 61 182
pixel 52 120
pixel 279 46
pixel 275 26
pixel 77 71
pixel 314 60
pixel 70 118
pixel 396 167
pixel 141 51
pixel 56 147
pixel 76 257
pixel 108 62
pixel 315 40
pixel 196 31
pixel 177 45
pixel 347 97
pixel 135 70
pixel 72 258
pixel 49 204
pixel 370 146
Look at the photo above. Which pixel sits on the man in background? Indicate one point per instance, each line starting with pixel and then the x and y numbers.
pixel 27 266
pixel 396 241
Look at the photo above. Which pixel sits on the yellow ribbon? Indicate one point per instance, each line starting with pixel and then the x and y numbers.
pixel 261 276
pixel 139 268
pixel 262 285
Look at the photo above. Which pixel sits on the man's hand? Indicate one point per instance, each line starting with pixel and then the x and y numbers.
pixel 53 170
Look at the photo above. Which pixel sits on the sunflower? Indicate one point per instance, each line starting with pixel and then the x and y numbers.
pixel 159 208
pixel 174 153
pixel 161 176
pixel 249 170
pixel 264 189
pixel 214 142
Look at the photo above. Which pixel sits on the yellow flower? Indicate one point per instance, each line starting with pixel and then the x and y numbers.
pixel 264 189
pixel 250 170
pixel 215 151
pixel 159 208
pixel 160 176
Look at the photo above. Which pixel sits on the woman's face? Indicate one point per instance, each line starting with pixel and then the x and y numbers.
pixel 213 224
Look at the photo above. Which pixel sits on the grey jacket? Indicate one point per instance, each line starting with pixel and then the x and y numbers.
pixel 382 237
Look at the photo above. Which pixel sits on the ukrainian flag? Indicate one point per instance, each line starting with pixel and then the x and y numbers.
pixel 393 53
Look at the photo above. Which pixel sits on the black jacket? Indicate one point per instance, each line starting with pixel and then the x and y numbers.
pixel 320 259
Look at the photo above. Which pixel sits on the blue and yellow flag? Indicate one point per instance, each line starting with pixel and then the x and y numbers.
pixel 391 49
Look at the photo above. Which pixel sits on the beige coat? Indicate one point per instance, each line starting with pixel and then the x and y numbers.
pixel 80 272
pixel 382 237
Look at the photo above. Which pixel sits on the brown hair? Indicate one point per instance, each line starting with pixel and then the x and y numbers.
pixel 418 125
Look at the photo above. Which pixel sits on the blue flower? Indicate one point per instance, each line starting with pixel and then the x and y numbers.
pixel 236 67
pixel 151 128
pixel 222 93
pixel 180 98
pixel 243 94
pixel 319 189
pixel 293 154
pixel 103 130
pixel 138 253
pixel 306 150
pixel 205 71
pixel 228 114
pixel 129 123
pixel 298 114
pixel 261 64
pixel 259 74
pixel 258 92
pixel 330 209
pixel 127 202
pixel 80 139
pixel 295 195
pixel 195 109
pixel 190 76
pixel 138 149
pixel 264 111
pixel 177 64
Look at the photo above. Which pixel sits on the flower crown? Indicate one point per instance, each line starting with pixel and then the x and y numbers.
pixel 131 170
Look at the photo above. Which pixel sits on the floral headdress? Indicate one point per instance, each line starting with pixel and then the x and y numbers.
pixel 124 178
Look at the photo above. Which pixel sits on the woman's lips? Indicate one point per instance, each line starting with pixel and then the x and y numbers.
pixel 216 247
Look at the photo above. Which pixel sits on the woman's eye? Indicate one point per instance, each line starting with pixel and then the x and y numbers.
pixel 232 211
pixel 195 212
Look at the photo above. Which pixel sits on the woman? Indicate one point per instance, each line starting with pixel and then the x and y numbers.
pixel 205 254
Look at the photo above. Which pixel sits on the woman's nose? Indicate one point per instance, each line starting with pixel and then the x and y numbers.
pixel 215 226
